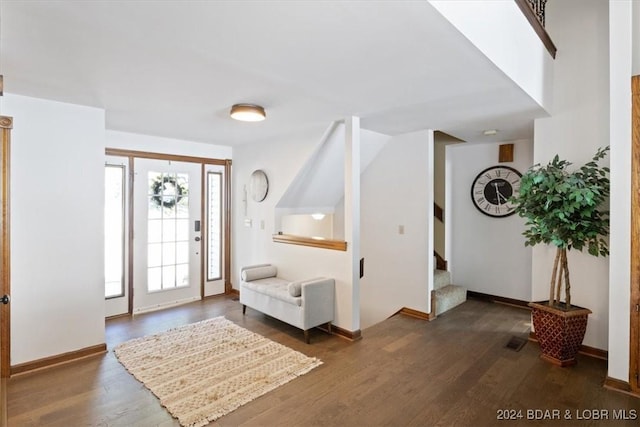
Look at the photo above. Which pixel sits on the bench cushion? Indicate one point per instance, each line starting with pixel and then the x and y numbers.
pixel 275 288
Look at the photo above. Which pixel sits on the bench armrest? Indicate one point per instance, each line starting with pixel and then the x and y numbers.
pixel 318 300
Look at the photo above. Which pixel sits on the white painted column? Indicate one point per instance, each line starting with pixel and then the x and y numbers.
pixel 352 214
pixel 620 66
pixel 430 217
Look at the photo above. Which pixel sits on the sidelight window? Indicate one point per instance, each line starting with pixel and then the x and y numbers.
pixel 114 231
pixel 214 218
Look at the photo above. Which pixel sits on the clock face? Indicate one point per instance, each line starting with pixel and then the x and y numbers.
pixel 492 189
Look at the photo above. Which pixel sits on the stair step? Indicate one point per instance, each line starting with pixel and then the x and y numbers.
pixel 449 297
pixel 441 278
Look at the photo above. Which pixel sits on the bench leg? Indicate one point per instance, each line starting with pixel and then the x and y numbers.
pixel 306 336
pixel 244 309
pixel 329 327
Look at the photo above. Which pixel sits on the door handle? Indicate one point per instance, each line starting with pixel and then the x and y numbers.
pixel 197 239
pixel 5 299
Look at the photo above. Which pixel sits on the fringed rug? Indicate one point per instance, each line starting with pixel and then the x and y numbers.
pixel 205 370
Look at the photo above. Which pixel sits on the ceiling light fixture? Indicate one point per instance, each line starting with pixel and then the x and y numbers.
pixel 490 132
pixel 317 216
pixel 248 113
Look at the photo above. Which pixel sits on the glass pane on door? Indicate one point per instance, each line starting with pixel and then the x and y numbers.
pixel 168 233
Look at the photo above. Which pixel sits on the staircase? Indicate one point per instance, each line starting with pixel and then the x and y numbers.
pixel 445 296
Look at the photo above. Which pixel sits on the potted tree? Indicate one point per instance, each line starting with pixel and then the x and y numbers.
pixel 566 209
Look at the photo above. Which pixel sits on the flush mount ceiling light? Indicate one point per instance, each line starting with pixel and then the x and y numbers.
pixel 248 113
pixel 490 132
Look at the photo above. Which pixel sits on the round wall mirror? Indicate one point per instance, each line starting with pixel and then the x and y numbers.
pixel 259 185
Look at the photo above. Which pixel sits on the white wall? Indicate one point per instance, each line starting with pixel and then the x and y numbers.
pixel 487 254
pixel 578 126
pixel 155 144
pixel 512 44
pixel 57 196
pixel 620 53
pixel 281 161
pixel 396 191
pixel 338 221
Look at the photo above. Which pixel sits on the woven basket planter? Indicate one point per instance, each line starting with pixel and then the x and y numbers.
pixel 559 332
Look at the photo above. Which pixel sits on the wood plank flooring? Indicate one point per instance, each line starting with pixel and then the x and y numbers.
pixel 455 370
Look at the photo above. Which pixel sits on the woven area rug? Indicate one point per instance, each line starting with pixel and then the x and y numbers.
pixel 205 370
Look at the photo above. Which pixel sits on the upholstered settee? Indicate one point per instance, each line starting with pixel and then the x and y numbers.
pixel 304 304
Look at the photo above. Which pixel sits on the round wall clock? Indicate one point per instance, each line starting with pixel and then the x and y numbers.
pixel 492 189
pixel 259 185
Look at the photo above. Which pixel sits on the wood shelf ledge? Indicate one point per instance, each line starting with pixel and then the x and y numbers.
pixel 336 245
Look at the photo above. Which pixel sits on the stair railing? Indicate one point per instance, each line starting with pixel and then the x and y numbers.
pixel 438 212
pixel 441 263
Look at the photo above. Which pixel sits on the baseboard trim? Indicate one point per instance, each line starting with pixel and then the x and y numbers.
pixel 619 386
pixel 59 359
pixel 414 313
pixel 434 306
pixel 234 292
pixel 350 335
pixel 500 300
pixel 584 349
pixel 117 316
pixel 164 306
pixel 220 296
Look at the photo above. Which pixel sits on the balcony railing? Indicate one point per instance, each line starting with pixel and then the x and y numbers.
pixel 537 6
pixel 534 11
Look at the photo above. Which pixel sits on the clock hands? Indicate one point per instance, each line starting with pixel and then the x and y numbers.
pixel 495 185
pixel 499 194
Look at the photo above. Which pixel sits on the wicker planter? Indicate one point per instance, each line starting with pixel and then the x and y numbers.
pixel 559 332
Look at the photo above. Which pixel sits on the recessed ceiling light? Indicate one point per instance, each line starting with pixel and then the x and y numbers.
pixel 248 113
pixel 490 132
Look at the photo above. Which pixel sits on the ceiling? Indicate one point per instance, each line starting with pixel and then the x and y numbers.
pixel 174 68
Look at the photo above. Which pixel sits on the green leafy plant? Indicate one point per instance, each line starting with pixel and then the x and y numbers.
pixel 565 209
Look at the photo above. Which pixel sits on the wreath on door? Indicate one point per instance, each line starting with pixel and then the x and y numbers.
pixel 167 191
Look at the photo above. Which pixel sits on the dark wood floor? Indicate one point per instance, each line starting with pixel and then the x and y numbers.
pixel 455 370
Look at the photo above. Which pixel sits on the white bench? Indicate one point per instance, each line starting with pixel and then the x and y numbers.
pixel 304 304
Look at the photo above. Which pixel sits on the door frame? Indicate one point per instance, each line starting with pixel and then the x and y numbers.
pixel 634 303
pixel 123 163
pixel 6 124
pixel 132 155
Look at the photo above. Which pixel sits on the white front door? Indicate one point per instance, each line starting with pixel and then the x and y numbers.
pixel 167 233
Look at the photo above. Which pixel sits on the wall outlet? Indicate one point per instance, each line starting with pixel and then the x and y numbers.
pixel 247 222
